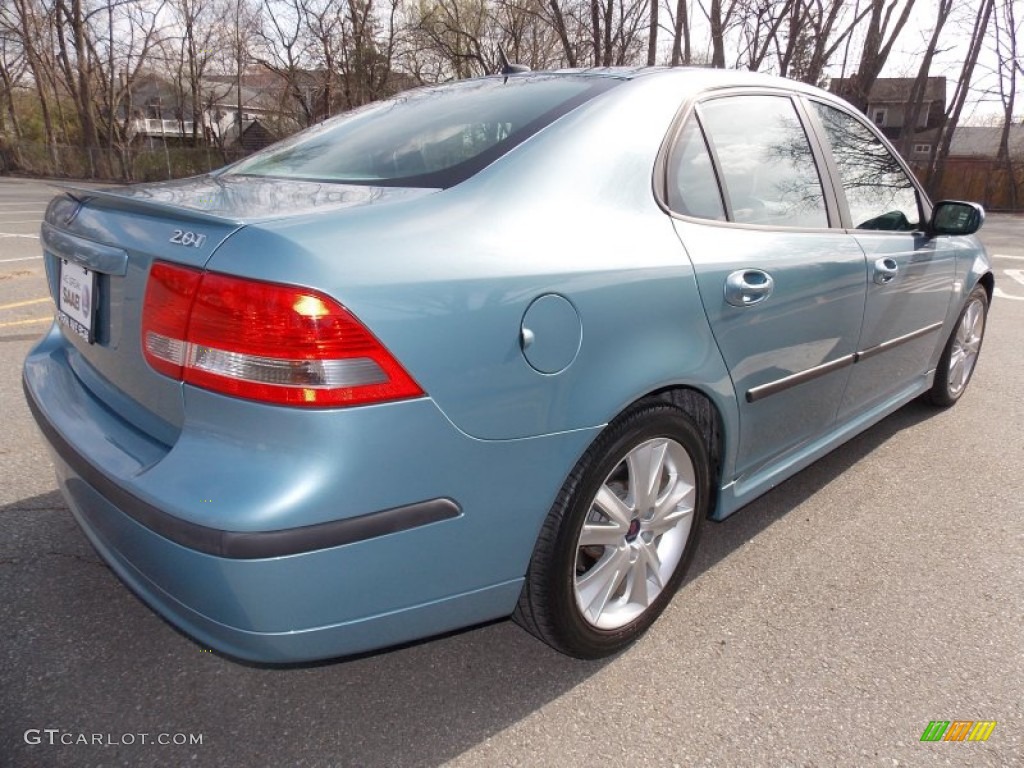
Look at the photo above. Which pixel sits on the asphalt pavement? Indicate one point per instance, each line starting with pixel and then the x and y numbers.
pixel 827 624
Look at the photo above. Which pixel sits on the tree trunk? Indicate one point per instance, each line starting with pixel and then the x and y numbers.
pixel 916 101
pixel 563 35
pixel 876 49
pixel 652 37
pixel 717 35
pixel 940 151
pixel 681 36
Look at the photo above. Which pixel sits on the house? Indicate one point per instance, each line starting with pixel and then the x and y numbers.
pixel 162 114
pixel 256 136
pixel 887 103
pixel 970 142
pixel 983 141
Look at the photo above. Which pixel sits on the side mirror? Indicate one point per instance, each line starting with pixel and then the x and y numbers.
pixel 952 217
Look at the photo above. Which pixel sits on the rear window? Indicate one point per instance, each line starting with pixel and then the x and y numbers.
pixel 430 137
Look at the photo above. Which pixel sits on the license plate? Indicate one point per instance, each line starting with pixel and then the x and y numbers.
pixel 77 299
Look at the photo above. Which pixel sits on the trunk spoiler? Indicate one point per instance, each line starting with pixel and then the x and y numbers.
pixel 136 202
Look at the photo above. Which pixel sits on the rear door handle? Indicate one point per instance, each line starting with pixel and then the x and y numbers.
pixel 885 270
pixel 747 287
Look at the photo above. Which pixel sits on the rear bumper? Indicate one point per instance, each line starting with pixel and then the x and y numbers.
pixel 243 544
pixel 164 575
pixel 252 536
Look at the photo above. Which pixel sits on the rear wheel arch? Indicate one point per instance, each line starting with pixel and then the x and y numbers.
pixel 988 282
pixel 709 419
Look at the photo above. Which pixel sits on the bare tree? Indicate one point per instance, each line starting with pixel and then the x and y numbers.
pixel 915 103
pixel 720 19
pixel 681 51
pixel 882 32
pixel 1010 65
pixel 940 150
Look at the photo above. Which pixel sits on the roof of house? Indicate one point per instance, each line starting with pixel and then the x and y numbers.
pixel 983 141
pixel 894 90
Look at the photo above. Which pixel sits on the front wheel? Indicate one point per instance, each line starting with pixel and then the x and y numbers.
pixel 961 352
pixel 618 539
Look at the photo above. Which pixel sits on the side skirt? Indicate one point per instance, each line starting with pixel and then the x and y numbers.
pixel 744 490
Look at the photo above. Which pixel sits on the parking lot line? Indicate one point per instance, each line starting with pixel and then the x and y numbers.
pixel 20 258
pixel 27 322
pixel 24 303
pixel 1007 256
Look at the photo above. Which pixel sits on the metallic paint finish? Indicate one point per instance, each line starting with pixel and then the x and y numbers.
pixel 287 587
pixel 812 319
pixel 94 256
pixel 246 545
pixel 243 468
pixel 741 491
pixel 918 296
pixel 793 380
pixel 553 328
pixel 445 279
pixel 885 346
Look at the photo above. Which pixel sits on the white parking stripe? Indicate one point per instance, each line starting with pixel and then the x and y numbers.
pixel 1016 275
pixel 1007 256
pixel 11 234
pixel 23 258
pixel 23 221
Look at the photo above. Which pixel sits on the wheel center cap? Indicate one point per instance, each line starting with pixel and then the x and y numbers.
pixel 634 529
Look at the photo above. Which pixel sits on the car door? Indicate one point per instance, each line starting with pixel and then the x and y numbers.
pixel 910 274
pixel 784 293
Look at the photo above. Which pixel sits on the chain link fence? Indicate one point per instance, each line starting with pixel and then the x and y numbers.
pixel 128 164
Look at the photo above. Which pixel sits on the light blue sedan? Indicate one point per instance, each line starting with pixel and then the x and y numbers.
pixel 493 348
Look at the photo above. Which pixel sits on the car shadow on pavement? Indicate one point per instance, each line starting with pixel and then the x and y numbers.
pixel 720 539
pixel 81 655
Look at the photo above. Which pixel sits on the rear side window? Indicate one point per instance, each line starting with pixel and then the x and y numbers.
pixel 880 194
pixel 692 185
pixel 431 137
pixel 767 166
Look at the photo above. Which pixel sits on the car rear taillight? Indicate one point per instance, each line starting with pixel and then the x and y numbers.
pixel 264 341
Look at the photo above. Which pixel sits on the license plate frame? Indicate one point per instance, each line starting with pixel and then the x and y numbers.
pixel 77 299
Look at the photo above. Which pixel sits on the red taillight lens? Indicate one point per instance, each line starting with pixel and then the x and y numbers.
pixel 165 312
pixel 264 341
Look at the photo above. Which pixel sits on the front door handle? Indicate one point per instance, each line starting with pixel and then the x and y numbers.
pixel 747 287
pixel 885 270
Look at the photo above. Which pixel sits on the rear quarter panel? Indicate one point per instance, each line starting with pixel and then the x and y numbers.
pixel 444 280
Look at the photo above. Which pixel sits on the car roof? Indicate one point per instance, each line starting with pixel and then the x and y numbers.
pixel 691 79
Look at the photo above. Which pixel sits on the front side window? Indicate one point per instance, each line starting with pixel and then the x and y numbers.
pixel 766 162
pixel 880 194
pixel 430 137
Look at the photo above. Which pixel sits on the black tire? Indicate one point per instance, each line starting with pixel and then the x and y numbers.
pixel 548 605
pixel 968 334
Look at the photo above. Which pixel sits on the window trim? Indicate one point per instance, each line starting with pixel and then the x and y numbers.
pixel 690 109
pixel 723 193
